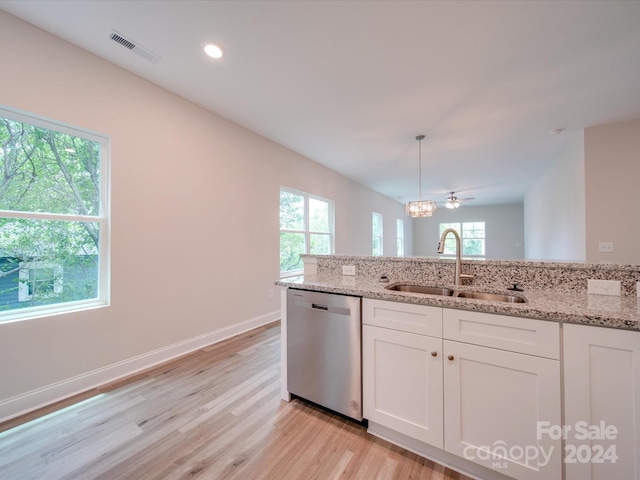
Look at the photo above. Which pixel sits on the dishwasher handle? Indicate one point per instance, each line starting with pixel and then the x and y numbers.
pixel 322 303
pixel 322 308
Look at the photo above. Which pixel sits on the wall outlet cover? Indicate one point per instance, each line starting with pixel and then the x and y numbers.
pixel 603 287
pixel 605 247
pixel 348 270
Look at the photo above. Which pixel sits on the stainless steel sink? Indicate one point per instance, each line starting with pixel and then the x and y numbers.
pixel 448 292
pixel 494 297
pixel 421 289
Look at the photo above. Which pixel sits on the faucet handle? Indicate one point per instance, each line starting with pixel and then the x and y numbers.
pixel 466 276
pixel 516 288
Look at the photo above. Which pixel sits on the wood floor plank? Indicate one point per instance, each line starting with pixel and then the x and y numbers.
pixel 213 414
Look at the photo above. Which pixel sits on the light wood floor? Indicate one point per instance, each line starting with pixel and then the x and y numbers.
pixel 213 414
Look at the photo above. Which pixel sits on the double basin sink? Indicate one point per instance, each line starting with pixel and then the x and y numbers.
pixel 448 292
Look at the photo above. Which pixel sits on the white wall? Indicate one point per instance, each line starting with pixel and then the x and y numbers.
pixel 612 176
pixel 554 208
pixel 503 223
pixel 195 203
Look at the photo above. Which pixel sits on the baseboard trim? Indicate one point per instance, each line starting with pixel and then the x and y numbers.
pixel 446 459
pixel 41 397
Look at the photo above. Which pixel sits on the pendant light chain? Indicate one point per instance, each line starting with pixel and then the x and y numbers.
pixel 420 208
pixel 420 138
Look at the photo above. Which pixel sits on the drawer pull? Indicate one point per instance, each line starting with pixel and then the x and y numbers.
pixel 434 354
pixel 450 357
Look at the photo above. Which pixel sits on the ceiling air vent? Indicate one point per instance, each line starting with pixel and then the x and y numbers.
pixel 135 48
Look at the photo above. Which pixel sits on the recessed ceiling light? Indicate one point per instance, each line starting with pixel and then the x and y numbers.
pixel 213 50
pixel 556 131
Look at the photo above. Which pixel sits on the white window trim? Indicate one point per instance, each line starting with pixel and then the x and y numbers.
pixel 400 237
pixel 381 236
pixel 307 233
pixel 104 220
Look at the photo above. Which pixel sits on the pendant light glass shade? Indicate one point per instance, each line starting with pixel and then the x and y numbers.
pixel 420 208
pixel 452 203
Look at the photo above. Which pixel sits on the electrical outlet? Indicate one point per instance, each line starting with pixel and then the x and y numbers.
pixel 348 270
pixel 605 247
pixel 603 287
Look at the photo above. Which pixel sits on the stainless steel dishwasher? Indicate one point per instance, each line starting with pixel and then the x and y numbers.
pixel 324 358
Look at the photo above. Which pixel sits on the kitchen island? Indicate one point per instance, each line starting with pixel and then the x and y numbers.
pixel 484 386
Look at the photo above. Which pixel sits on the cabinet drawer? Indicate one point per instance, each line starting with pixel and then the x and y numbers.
pixel 515 334
pixel 405 317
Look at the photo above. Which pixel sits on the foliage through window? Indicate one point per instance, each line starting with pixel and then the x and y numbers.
pixel 472 236
pixel 53 223
pixel 377 237
pixel 306 226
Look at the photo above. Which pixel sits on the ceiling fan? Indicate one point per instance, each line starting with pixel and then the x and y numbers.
pixel 454 202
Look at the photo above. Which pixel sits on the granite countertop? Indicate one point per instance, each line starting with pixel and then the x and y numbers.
pixel 562 306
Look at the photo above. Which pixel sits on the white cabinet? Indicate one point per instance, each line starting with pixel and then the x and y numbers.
pixel 501 381
pixel 479 393
pixel 403 383
pixel 602 403
pixel 494 400
pixel 402 377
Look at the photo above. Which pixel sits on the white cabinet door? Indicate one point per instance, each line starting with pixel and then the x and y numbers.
pixel 494 400
pixel 402 382
pixel 602 396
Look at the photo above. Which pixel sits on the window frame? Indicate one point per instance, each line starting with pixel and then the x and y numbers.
pixel 307 232
pixel 400 237
pixel 103 219
pixel 377 235
pixel 460 230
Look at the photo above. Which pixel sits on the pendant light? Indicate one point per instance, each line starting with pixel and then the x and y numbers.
pixel 420 208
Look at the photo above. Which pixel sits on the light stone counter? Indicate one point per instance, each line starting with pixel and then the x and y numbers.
pixel 556 304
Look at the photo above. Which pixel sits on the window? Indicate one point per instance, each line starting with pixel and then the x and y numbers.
pixel 376 228
pixel 306 226
pixel 472 238
pixel 53 217
pixel 400 237
pixel 41 279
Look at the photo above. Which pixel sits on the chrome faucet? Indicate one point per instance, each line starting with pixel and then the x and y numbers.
pixel 456 274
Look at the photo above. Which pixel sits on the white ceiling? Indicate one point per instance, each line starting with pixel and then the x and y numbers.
pixel 350 84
